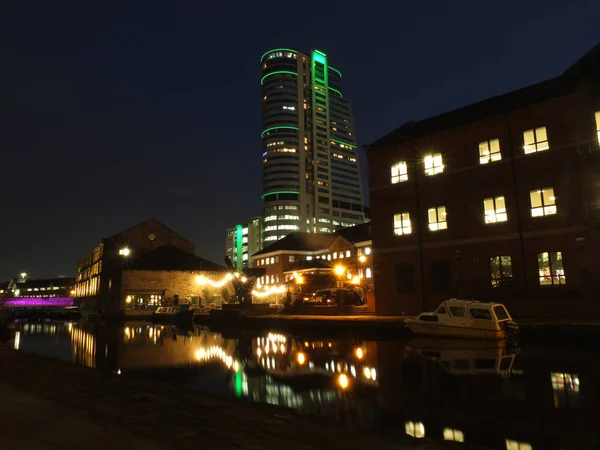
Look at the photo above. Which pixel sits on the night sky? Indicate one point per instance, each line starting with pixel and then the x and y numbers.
pixel 114 112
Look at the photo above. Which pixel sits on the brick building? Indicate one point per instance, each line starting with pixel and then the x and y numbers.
pixel 142 267
pixel 310 254
pixel 497 200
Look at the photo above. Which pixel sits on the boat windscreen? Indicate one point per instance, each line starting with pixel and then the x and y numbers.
pixel 501 312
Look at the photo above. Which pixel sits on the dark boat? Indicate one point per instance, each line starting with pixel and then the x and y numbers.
pixel 177 315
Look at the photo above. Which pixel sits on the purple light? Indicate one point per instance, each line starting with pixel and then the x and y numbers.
pixel 30 302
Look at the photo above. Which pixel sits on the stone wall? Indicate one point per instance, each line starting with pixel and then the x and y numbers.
pixel 170 283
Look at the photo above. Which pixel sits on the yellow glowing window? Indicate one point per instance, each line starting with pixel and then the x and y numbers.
pixel 598 125
pixel 535 140
pixel 566 390
pixel 516 445
pixel 402 224
pixel 433 164
pixel 543 202
pixel 399 172
pixel 450 434
pixel 551 270
pixel 437 218
pixel 415 429
pixel 495 210
pixel 489 151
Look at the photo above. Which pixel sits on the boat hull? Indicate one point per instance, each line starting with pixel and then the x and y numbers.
pixel 436 329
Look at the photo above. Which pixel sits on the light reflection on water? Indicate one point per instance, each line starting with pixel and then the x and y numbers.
pixel 464 391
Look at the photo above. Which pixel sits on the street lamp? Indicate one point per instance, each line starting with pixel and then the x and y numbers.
pixel 124 251
pixel 362 258
pixel 339 271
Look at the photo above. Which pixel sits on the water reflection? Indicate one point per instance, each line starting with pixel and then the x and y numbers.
pixel 462 391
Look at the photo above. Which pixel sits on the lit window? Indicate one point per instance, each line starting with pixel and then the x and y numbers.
pixel 501 270
pixel 450 434
pixel 402 224
pixel 369 273
pixel 415 429
pixel 543 202
pixel 516 445
pixel 399 172
pixel 292 258
pixel 495 210
pixel 433 164
pixel 272 260
pixel 348 253
pixel 535 140
pixel 437 218
pixel 566 390
pixel 367 251
pixel 489 151
pixel 550 267
pixel 598 125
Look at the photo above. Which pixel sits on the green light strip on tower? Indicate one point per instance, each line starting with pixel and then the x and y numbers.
pixel 239 235
pixel 345 143
pixel 277 50
pixel 335 90
pixel 320 57
pixel 276 73
pixel 275 128
pixel 281 192
pixel 335 70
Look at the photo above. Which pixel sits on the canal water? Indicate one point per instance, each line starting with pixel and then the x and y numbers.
pixel 536 397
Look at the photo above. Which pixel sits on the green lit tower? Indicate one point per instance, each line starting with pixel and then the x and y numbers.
pixel 310 174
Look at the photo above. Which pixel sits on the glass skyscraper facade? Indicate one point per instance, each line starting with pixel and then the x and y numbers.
pixel 311 180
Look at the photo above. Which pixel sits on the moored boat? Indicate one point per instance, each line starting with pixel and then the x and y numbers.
pixel 467 319
pixel 176 314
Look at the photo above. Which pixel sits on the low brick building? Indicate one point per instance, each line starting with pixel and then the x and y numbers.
pixel 142 267
pixel 314 257
pixel 497 200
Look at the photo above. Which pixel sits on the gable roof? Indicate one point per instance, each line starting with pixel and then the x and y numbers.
pixel 148 223
pixel 300 241
pixel 357 233
pixel 521 98
pixel 171 258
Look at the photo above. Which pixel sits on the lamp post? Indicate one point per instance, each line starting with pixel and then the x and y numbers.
pixel 339 272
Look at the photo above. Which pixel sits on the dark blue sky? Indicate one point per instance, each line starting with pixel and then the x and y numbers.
pixel 113 114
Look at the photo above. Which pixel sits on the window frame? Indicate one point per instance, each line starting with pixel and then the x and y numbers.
pixel 438 225
pixel 401 230
pixel 496 213
pixel 549 209
pixel 401 172
pixel 597 120
pixel 501 280
pixel 434 169
pixel 537 145
pixel 556 279
pixel 490 155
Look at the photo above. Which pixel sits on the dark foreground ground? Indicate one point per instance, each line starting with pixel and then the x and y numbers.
pixel 46 404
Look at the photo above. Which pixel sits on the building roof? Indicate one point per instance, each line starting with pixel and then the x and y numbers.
pixel 63 282
pixel 521 98
pixel 151 222
pixel 300 241
pixel 171 258
pixel 357 233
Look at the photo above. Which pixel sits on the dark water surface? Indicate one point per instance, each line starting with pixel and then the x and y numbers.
pixel 536 397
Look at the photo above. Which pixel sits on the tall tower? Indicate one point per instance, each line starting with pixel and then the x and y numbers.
pixel 310 177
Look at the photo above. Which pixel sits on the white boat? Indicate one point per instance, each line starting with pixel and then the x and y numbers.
pixel 468 319
pixel 467 356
